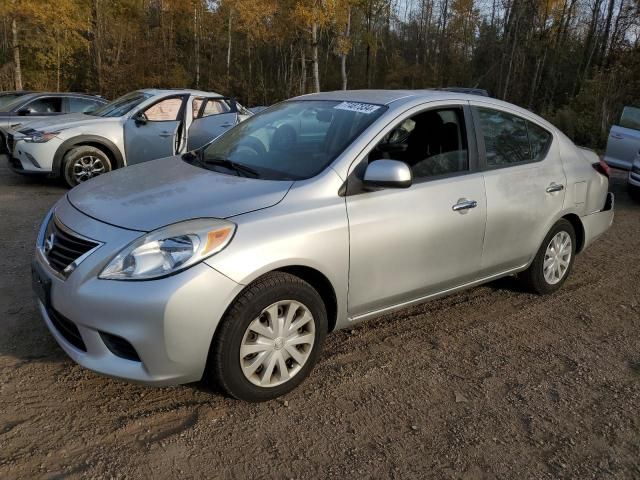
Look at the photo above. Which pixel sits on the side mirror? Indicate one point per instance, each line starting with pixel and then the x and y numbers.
pixel 23 112
pixel 387 174
pixel 140 118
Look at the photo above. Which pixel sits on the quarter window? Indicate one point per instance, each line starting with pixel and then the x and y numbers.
pixel 432 143
pixel 540 141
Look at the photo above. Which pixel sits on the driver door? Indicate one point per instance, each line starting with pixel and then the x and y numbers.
pixel 155 131
pixel 409 243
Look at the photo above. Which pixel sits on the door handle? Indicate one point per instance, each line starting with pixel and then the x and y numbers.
pixel 554 187
pixel 227 125
pixel 463 205
pixel 166 134
pixel 617 136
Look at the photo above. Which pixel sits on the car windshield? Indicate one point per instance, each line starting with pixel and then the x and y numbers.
pixel 121 106
pixel 290 141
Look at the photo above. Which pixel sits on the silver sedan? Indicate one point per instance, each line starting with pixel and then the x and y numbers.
pixel 232 262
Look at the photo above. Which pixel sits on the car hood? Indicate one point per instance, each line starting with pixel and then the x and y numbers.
pixel 61 122
pixel 160 192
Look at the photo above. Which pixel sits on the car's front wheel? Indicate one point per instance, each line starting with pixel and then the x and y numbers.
pixel 553 261
pixel 84 162
pixel 269 340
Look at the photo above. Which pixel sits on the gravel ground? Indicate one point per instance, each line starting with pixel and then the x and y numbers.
pixel 488 383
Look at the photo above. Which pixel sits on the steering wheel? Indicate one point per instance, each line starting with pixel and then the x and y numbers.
pixel 252 145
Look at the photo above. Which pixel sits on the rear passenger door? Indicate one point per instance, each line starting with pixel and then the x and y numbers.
pixel 525 185
pixel 624 139
pixel 211 118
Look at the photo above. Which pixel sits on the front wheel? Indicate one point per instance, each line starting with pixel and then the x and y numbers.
pixel 83 163
pixel 269 340
pixel 553 261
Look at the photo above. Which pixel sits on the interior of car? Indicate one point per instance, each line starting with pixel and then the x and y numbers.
pixel 432 143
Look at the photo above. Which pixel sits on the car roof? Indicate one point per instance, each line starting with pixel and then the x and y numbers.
pixel 388 97
pixel 168 91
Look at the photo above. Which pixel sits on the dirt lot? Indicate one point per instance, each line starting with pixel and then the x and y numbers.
pixel 489 383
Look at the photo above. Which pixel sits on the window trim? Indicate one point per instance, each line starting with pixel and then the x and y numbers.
pixel 482 150
pixel 356 169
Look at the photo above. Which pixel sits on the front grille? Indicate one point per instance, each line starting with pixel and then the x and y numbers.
pixel 119 347
pixel 62 247
pixel 67 329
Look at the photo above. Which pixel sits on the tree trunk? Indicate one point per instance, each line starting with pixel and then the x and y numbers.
pixel 303 72
pixel 314 57
pixel 343 57
pixel 96 42
pixel 229 46
pixel 196 44
pixel 16 55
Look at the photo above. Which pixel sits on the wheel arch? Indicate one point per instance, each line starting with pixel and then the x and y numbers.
pixel 578 227
pixel 107 146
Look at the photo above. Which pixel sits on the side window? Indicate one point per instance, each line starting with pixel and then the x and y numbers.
pixel 505 137
pixel 77 104
pixel 45 105
pixel 164 111
pixel 196 104
pixel 216 106
pixel 630 118
pixel 432 143
pixel 540 141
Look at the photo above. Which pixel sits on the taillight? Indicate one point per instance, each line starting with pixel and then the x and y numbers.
pixel 602 168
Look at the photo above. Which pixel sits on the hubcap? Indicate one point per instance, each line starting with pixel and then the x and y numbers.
pixel 87 167
pixel 557 258
pixel 277 343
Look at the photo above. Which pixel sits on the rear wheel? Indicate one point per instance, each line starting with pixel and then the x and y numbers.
pixel 83 163
pixel 554 260
pixel 269 340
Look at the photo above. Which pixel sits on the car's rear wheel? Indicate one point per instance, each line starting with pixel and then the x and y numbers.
pixel 83 163
pixel 553 261
pixel 269 340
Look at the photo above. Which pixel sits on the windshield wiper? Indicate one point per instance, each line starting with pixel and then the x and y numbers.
pixel 239 168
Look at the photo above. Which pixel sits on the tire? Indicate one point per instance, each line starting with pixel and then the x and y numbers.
pixel 249 310
pixel 83 163
pixel 534 278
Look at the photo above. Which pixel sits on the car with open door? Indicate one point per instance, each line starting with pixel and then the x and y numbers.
pixel 139 126
pixel 232 262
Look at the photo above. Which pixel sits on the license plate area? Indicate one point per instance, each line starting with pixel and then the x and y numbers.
pixel 41 284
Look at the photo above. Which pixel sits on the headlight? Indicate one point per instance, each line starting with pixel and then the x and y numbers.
pixel 41 137
pixel 169 249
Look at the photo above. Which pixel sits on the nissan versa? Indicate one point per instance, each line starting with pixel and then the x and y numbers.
pixel 231 263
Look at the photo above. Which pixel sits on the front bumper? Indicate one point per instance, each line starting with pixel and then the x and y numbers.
pixel 634 179
pixel 168 322
pixel 33 158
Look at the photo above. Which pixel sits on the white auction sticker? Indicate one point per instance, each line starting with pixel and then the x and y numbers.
pixel 357 107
